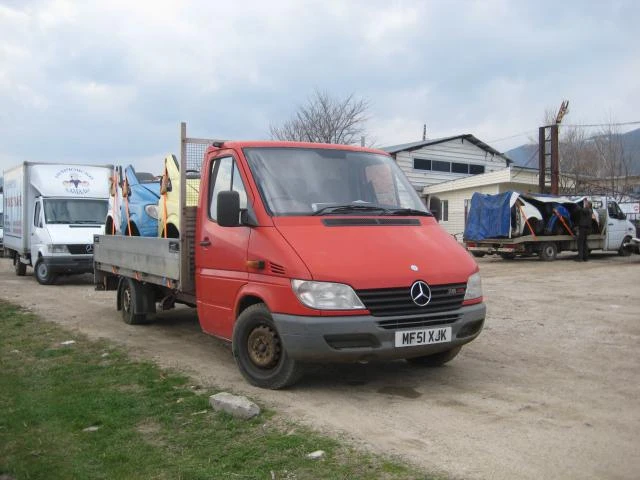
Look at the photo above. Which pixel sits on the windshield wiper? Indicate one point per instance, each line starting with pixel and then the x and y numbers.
pixel 92 222
pixel 409 211
pixel 349 208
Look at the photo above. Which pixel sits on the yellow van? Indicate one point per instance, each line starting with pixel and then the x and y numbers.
pixel 169 203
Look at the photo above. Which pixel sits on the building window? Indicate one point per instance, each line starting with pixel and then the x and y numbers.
pixel 421 164
pixel 438 166
pixel 444 209
pixel 448 167
pixel 460 167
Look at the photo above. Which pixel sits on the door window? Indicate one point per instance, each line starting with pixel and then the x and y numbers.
pixel 36 216
pixel 225 176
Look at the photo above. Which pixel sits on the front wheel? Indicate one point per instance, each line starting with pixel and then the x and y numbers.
pixel 625 252
pixel 436 359
pixel 259 352
pixel 43 273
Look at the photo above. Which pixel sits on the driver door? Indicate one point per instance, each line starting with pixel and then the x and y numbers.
pixel 221 252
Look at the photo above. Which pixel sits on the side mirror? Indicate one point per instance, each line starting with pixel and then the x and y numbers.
pixel 228 208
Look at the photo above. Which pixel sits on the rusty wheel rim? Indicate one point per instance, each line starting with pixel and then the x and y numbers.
pixel 263 347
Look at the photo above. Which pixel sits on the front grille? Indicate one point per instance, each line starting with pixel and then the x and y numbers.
pixel 385 302
pixel 76 249
pixel 415 322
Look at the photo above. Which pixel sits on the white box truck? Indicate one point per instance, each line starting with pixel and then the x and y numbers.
pixel 51 213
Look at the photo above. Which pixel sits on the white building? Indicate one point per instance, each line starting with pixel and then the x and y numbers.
pixel 435 161
pixel 450 200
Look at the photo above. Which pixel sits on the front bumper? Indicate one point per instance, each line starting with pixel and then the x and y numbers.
pixel 69 263
pixel 362 338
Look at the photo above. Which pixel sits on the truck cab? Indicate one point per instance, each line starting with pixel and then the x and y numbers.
pixel 52 212
pixel 308 252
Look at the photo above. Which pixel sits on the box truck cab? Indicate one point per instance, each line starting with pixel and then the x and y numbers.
pixel 52 213
pixel 308 252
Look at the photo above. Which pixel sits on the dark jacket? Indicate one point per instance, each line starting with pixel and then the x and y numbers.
pixel 584 217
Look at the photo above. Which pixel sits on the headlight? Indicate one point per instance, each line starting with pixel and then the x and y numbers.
pixel 152 211
pixel 474 287
pixel 58 249
pixel 326 295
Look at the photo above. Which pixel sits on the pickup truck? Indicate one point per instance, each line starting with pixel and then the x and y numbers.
pixel 302 253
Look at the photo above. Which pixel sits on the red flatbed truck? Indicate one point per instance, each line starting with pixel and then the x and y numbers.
pixel 302 253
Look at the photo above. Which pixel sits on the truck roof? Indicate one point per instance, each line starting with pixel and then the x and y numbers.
pixel 280 144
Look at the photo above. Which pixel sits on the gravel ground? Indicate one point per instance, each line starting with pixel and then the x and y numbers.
pixel 550 389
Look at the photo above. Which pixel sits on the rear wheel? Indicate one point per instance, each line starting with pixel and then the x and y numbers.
pixel 128 297
pixel 259 352
pixel 437 359
pixel 19 267
pixel 548 251
pixel 43 273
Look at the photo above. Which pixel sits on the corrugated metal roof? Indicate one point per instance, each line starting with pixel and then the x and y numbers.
pixel 407 147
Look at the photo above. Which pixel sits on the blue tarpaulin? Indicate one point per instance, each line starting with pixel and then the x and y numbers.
pixel 489 216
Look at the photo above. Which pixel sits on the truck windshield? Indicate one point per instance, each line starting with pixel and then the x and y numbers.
pixel 75 210
pixel 318 181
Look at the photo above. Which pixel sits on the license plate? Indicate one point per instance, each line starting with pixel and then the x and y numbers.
pixel 411 338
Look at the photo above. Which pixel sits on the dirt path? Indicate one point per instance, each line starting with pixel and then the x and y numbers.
pixel 550 389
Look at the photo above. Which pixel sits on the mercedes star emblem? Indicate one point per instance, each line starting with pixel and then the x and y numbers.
pixel 420 293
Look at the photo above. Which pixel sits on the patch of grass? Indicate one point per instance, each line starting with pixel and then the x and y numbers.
pixel 147 422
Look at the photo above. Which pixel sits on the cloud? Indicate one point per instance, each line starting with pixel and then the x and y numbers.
pixel 110 81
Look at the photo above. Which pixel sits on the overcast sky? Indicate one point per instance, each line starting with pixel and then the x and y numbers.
pixel 109 81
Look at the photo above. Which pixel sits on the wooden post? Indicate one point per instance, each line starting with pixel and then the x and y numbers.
pixel 542 152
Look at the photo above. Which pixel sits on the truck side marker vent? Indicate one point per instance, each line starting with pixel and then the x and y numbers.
pixel 276 269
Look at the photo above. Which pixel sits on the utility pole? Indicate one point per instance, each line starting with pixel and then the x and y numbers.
pixel 424 132
pixel 552 150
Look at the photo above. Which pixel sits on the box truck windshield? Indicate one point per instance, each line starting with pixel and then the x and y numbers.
pixel 303 181
pixel 75 211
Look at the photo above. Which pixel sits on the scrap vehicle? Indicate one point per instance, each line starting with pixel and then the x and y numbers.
pixel 302 253
pixel 51 213
pixel 169 203
pixel 133 203
pixel 489 226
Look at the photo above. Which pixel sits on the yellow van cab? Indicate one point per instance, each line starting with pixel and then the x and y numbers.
pixel 169 203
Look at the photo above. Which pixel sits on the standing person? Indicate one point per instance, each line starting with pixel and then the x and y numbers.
pixel 585 213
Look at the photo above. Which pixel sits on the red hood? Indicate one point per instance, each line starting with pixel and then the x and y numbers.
pixel 377 256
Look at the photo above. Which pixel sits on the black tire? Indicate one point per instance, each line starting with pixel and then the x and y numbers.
pixel 548 251
pixel 259 353
pixel 507 255
pixel 625 252
pixel 437 359
pixel 128 298
pixel 133 232
pixel 478 254
pixel 19 267
pixel 43 273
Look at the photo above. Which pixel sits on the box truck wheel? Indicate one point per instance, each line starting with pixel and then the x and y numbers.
pixel 129 293
pixel 43 273
pixel 259 352
pixel 437 359
pixel 19 267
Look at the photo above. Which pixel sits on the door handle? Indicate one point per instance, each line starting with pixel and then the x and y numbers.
pixel 206 242
pixel 610 224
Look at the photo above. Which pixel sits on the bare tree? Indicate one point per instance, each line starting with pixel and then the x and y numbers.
pixel 578 161
pixel 614 163
pixel 325 119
